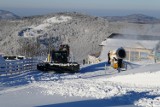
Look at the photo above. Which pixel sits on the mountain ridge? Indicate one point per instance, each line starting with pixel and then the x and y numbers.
pixel 134 18
pixel 8 15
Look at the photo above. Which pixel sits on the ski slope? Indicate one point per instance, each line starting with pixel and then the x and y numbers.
pixel 96 85
pixel 40 29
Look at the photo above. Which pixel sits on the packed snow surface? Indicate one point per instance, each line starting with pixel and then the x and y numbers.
pixel 138 86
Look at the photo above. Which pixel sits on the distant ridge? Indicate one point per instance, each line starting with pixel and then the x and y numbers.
pixel 8 15
pixel 134 18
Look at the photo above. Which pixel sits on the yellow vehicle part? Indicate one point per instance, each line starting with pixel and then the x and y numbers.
pixel 115 65
pixel 49 58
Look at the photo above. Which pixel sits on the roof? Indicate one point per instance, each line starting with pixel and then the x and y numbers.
pixel 147 44
pixel 133 36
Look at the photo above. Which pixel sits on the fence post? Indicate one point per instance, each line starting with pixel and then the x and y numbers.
pixel 105 69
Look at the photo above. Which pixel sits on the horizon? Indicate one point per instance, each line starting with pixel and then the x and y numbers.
pixel 35 12
pixel 96 8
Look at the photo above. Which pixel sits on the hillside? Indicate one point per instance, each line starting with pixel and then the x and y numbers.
pixel 30 36
pixel 80 32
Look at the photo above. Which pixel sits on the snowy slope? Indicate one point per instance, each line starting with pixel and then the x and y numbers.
pixel 41 29
pixel 93 86
pixel 48 22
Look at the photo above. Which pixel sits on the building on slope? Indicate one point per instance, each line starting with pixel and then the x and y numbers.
pixel 138 47
pixel 93 58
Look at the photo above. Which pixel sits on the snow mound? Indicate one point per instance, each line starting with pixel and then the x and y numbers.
pixel 81 87
pixel 148 102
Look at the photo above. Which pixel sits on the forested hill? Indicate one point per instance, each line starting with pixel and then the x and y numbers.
pixel 30 36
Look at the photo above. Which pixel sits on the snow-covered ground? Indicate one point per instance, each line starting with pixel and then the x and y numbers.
pixel 95 86
pixel 50 21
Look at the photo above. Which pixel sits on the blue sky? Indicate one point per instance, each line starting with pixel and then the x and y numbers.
pixel 95 7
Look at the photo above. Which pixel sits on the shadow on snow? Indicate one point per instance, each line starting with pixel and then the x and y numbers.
pixel 126 100
pixel 94 67
pixel 20 79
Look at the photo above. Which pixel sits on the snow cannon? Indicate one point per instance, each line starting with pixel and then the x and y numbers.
pixel 58 61
pixel 121 53
pixel 115 59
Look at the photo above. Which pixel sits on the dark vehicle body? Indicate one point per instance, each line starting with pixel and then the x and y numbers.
pixel 59 62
